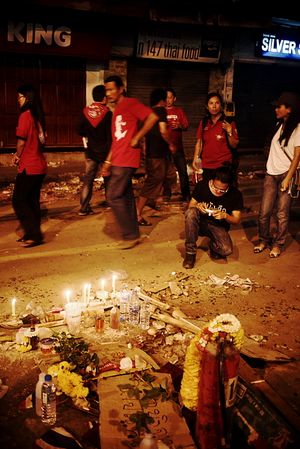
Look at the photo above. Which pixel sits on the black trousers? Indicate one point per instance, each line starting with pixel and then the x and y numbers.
pixel 26 204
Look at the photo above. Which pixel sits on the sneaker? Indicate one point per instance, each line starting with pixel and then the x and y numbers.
pixel 82 213
pixel 189 261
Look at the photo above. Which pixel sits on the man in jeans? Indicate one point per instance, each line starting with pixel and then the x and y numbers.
pixel 124 157
pixel 95 129
pixel 215 205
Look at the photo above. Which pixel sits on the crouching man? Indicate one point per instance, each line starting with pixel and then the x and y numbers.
pixel 215 205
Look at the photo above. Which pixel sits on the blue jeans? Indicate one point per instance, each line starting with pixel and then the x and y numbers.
pixel 273 197
pixel 91 168
pixel 196 224
pixel 120 197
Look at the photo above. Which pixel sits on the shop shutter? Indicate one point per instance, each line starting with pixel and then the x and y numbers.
pixel 190 82
pixel 62 87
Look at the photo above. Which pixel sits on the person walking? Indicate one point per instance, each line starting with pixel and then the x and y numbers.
pixel 95 129
pixel 124 156
pixel 31 165
pixel 282 162
pixel 217 139
pixel 178 122
pixel 215 205
pixel 159 150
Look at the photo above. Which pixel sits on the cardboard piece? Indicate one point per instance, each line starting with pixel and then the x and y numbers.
pixel 117 404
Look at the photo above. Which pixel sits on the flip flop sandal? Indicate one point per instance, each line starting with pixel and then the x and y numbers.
pixel 143 222
pixel 259 248
pixel 275 252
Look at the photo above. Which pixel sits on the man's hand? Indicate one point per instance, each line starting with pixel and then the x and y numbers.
pixel 105 170
pixel 202 207
pixel 219 214
pixel 15 159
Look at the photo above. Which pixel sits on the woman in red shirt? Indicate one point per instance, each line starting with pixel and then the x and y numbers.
pixel 216 138
pixel 31 163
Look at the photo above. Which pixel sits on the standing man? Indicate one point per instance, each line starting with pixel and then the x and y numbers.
pixel 158 155
pixel 178 122
pixel 215 205
pixel 124 156
pixel 95 129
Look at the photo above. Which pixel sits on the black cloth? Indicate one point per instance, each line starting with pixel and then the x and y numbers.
pixel 231 200
pixel 156 146
pixel 99 137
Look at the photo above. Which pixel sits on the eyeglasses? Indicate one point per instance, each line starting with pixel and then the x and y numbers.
pixel 216 189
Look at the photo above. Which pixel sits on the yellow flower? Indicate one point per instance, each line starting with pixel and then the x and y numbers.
pixel 68 382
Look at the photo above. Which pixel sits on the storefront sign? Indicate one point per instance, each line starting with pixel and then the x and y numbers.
pixel 35 33
pixel 190 49
pixel 51 38
pixel 272 45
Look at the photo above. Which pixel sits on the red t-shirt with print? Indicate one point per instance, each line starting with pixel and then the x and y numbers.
pixel 215 147
pixel 177 121
pixel 32 159
pixel 126 116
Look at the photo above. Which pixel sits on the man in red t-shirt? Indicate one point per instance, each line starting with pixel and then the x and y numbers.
pixel 178 122
pixel 124 156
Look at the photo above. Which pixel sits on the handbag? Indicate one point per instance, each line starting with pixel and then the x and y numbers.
pixel 294 185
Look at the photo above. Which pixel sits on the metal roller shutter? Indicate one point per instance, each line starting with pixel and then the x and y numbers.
pixel 190 82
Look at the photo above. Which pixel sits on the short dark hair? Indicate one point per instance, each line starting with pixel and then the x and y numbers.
pixel 157 95
pixel 115 79
pixel 98 92
pixel 170 89
pixel 224 173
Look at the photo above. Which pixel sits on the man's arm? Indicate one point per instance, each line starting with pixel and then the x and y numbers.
pixel 148 124
pixel 163 128
pixel 233 218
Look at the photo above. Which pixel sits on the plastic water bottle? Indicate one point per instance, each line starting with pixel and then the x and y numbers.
pixel 124 305
pixel 48 401
pixel 38 394
pixel 144 316
pixel 134 308
pixel 148 442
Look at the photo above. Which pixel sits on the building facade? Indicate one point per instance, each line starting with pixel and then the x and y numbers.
pixel 65 53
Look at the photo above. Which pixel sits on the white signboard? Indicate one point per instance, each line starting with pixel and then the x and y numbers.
pixel 183 49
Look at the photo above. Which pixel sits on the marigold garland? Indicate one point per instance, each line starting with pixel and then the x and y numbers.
pixel 224 327
pixel 68 382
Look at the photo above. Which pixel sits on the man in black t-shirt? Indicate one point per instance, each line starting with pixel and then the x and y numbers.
pixel 158 155
pixel 215 205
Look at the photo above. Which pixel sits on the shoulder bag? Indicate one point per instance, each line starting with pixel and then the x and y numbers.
pixel 294 185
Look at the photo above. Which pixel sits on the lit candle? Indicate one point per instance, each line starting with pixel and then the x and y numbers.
pixel 13 307
pixel 88 293
pixel 114 278
pixel 68 294
pixel 102 284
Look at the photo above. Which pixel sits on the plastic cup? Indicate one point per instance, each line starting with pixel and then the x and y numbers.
pixel 73 317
